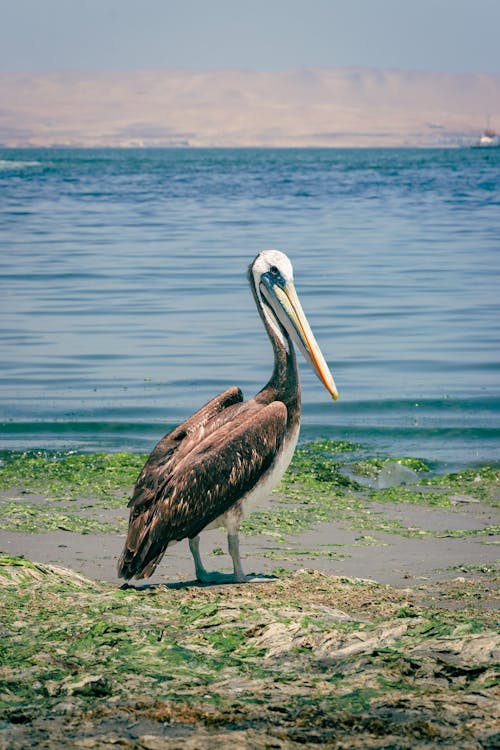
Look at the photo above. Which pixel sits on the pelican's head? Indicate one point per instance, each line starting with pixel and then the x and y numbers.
pixel 272 274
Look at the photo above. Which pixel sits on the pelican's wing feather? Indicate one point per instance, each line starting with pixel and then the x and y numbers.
pixel 171 448
pixel 204 483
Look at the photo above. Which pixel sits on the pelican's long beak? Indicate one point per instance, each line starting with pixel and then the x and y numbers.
pixel 291 315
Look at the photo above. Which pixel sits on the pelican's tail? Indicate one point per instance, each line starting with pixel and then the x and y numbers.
pixel 143 550
pixel 128 566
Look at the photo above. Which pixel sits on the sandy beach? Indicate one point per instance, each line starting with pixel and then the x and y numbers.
pixel 388 558
pixel 373 624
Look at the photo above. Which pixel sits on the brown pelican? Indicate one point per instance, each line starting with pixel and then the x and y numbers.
pixel 214 467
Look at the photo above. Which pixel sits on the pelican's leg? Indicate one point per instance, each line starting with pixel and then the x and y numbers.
pixel 233 544
pixel 194 546
pixel 202 574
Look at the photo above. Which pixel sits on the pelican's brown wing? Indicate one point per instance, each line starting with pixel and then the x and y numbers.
pixel 172 447
pixel 204 483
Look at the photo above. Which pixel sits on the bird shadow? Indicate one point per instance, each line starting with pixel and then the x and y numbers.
pixel 253 578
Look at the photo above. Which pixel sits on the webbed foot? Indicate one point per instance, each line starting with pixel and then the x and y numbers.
pixel 213 576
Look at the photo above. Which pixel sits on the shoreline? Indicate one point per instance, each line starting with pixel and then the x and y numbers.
pixel 445 544
pixel 388 520
pixel 375 628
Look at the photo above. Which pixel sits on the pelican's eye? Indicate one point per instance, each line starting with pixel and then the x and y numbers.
pixel 274 270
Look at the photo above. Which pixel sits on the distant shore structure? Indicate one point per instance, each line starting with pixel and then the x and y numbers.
pixel 489 138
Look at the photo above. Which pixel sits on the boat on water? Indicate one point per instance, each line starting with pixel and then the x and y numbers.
pixel 489 139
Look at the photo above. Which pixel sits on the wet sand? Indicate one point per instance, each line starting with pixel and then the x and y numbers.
pixel 359 638
pixel 388 558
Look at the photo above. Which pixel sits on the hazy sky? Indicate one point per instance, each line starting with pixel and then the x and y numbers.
pixel 440 35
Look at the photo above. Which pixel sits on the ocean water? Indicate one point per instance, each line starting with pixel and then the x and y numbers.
pixel 125 306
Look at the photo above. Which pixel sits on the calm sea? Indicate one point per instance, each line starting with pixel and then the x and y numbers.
pixel 125 306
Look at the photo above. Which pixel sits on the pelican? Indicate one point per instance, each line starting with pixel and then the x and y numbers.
pixel 212 469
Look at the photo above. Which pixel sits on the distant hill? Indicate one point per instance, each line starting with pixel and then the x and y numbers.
pixel 314 107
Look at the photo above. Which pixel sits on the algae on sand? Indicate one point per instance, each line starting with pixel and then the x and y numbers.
pixel 318 486
pixel 308 659
pixel 69 475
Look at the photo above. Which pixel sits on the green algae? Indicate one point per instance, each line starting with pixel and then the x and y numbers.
pixel 317 488
pixel 274 657
pixel 294 515
pixel 491 569
pixel 71 475
pixel 328 448
pixel 491 530
pixel 287 553
pixel 8 561
pixel 318 462
pixel 482 483
pixel 370 468
pixel 34 519
pixel 412 496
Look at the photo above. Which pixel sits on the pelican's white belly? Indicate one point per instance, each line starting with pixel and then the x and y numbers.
pixel 233 517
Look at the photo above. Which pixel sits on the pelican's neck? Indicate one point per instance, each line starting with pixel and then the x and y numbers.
pixel 284 382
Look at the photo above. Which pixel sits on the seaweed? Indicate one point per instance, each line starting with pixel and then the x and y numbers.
pixel 283 660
